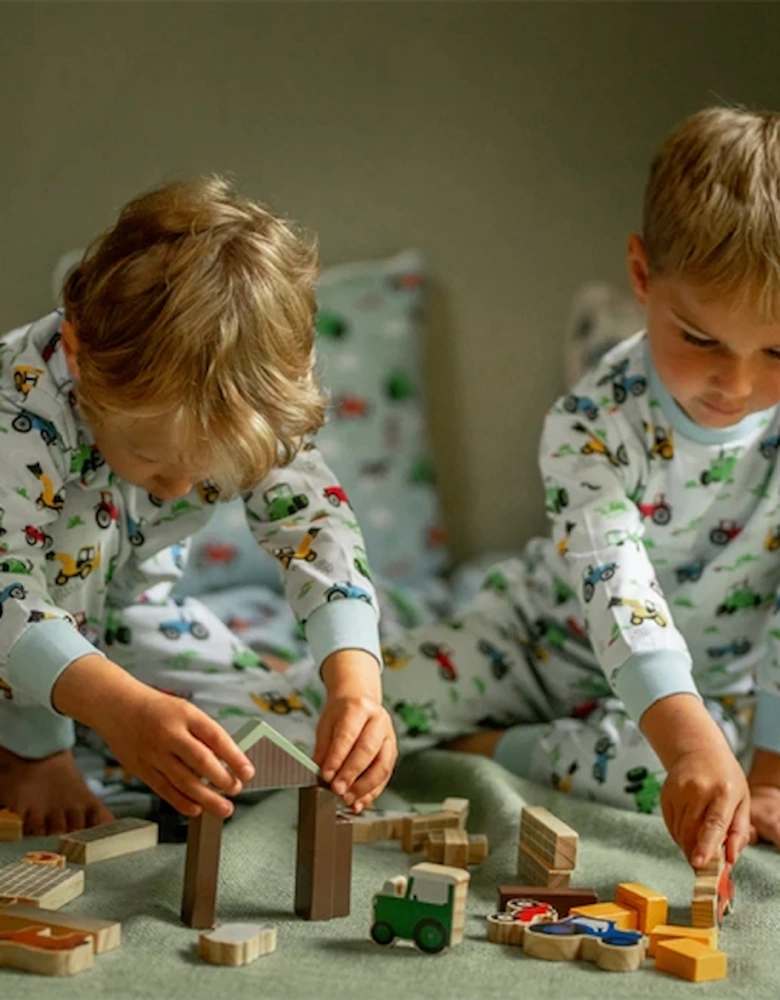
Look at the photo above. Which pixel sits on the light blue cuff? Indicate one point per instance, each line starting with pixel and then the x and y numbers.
pixel 645 678
pixel 345 624
pixel 516 748
pixel 33 731
pixel 40 655
pixel 766 725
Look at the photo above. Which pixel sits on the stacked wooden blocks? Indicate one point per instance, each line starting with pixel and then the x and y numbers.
pixel 546 849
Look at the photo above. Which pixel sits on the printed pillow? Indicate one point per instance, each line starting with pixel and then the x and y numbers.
pixel 370 325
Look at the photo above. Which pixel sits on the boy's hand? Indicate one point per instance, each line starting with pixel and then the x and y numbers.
pixel 356 747
pixel 705 799
pixel 168 743
pixel 764 782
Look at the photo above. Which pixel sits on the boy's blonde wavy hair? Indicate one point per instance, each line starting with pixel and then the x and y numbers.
pixel 712 207
pixel 198 306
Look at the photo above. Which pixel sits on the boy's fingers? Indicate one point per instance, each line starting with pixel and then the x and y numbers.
pixel 199 759
pixel 712 833
pixel 363 752
pixel 159 783
pixel 739 834
pixel 223 746
pixel 188 783
pixel 322 745
pixel 372 782
pixel 342 740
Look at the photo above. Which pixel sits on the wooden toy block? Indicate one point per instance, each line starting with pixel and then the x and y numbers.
pixel 613 958
pixel 106 934
pixel 278 763
pixel 35 949
pixel 11 827
pixel 691 960
pixel 39 885
pixel 201 870
pixel 459 806
pixel 652 908
pixel 562 943
pixel 713 893
pixel 428 907
pixel 110 840
pixel 549 838
pixel 374 825
pixel 455 847
pixel 531 868
pixel 323 869
pixel 624 918
pixel 45 858
pixel 502 928
pixel 560 897
pixel 417 828
pixel 525 913
pixel 237 944
pixel 665 932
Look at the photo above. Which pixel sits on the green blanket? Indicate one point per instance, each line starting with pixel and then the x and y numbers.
pixel 337 959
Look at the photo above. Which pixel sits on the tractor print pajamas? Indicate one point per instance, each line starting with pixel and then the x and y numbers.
pixel 88 563
pixel 661 576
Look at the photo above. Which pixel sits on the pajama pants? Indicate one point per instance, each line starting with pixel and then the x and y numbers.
pixel 501 664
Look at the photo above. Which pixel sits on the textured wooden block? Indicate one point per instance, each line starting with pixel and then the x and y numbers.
pixel 455 847
pixel 45 858
pixel 201 870
pixel 549 838
pixel 375 825
pixel 35 949
pixel 562 898
pixel 625 919
pixel 458 806
pixel 106 934
pixel 665 932
pixel 10 826
pixel 417 828
pixel 40 885
pixel 651 906
pixel 110 840
pixel 532 869
pixel 691 960
pixel 237 944
pixel 324 856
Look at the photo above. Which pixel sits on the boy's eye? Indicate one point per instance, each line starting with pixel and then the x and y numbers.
pixel 697 341
pixel 774 353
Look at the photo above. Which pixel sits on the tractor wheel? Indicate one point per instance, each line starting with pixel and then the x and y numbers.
pixel 719 537
pixel 570 404
pixel 382 933
pixel 662 514
pixel 588 591
pixel 199 630
pixel 638 387
pixel 332 498
pixel 622 455
pixel 430 936
pixel 170 632
pixel 21 423
pixel 137 539
pixel 103 517
pixel 123 635
pixel 619 393
pixel 61 579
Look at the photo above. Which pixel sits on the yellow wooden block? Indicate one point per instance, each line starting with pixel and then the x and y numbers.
pixel 690 960
pixel 665 932
pixel 625 918
pixel 652 907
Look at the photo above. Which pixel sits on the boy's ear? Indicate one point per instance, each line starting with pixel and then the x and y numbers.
pixel 638 269
pixel 70 347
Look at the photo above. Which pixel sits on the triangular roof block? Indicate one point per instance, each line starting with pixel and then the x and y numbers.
pixel 278 763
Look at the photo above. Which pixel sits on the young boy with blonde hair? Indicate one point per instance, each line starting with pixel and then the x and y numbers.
pixel 632 657
pixel 181 371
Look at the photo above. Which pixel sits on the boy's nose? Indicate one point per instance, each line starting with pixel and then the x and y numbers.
pixel 172 487
pixel 734 378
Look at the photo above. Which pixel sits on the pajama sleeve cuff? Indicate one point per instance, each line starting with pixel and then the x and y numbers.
pixel 345 624
pixel 766 726
pixel 646 678
pixel 41 654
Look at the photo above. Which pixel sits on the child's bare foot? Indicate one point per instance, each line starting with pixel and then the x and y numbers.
pixel 49 794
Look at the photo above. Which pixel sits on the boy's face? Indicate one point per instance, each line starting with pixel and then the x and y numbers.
pixel 718 362
pixel 142 451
